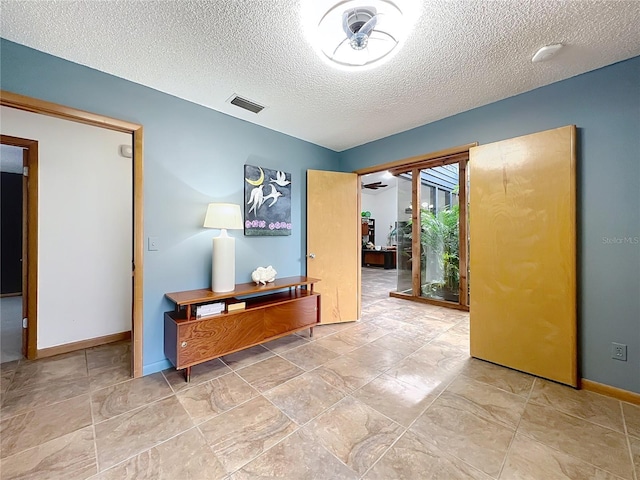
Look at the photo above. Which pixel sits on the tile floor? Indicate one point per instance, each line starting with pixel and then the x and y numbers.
pixel 394 396
pixel 10 328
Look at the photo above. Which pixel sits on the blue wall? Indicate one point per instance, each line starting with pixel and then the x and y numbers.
pixel 192 156
pixel 605 106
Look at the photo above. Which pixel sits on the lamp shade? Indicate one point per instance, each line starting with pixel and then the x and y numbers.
pixel 223 215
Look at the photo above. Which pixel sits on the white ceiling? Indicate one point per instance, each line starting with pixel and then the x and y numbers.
pixel 387 179
pixel 461 54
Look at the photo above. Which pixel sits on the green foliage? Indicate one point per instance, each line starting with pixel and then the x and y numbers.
pixel 439 232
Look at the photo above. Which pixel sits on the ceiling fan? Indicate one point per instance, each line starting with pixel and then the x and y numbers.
pixel 374 185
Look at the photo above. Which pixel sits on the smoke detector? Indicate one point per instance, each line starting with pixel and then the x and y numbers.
pixel 546 53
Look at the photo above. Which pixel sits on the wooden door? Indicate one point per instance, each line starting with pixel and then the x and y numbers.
pixel 523 254
pixel 333 243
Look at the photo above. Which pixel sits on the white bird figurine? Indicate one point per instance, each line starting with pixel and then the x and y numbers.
pixel 281 179
pixel 262 275
pixel 257 198
pixel 275 194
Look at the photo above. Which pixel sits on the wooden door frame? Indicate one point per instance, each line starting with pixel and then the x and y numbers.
pixel 414 165
pixel 29 240
pixel 34 105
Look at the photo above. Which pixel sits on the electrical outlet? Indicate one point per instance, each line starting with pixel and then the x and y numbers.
pixel 619 351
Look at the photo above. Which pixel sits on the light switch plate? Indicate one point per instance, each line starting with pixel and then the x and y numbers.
pixel 153 244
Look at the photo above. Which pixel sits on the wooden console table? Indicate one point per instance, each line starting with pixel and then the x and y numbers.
pixel 379 258
pixel 273 310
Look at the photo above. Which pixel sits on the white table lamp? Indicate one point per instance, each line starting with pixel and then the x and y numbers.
pixel 224 216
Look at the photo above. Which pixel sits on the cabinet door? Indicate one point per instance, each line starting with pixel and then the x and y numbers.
pixel 218 335
pixel 289 316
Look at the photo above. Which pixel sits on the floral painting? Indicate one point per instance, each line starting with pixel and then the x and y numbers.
pixel 267 202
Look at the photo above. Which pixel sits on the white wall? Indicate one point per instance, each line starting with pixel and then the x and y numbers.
pixel 383 208
pixel 84 227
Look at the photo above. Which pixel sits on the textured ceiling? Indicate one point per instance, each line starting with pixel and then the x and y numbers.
pixel 459 55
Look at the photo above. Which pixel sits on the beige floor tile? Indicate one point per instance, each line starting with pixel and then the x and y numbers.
pixel 397 400
pixel 9 366
pixel 319 331
pixel 634 443
pixel 437 323
pixel 486 401
pixel 412 457
pixel 363 333
pixel 269 373
pixel 123 397
pixel 375 356
pixel 309 356
pixel 325 330
pixel 346 374
pixel 454 340
pixel 461 328
pixel 297 457
pixel 355 433
pixel 73 363
pixel 282 344
pixel 304 397
pixel 185 457
pixel 451 427
pixel 106 357
pixel 596 408
pixel 241 434
pixel 33 378
pixel 106 377
pixel 531 460
pixel 19 401
pixel 501 377
pixel 216 396
pixel 5 379
pixel 71 457
pixel 430 366
pixel 337 343
pixel 199 374
pixel 41 425
pixel 404 345
pixel 592 443
pixel 422 332
pixel 138 430
pixel 247 357
pixel 632 418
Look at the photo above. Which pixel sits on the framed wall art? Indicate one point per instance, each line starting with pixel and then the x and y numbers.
pixel 267 202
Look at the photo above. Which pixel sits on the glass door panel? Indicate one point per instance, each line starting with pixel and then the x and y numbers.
pixel 439 225
pixel 403 234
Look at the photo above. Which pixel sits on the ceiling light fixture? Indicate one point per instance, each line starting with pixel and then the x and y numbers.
pixel 356 34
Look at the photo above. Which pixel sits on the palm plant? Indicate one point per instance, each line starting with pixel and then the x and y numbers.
pixel 439 232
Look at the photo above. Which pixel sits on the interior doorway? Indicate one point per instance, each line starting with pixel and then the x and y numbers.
pixel 427 243
pixel 378 204
pixel 19 190
pixel 19 102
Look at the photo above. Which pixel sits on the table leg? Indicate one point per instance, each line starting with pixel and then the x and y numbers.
pixel 187 374
pixel 310 332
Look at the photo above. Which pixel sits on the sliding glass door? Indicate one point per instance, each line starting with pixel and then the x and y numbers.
pixel 432 263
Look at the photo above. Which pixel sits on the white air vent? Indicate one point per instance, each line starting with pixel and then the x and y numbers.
pixel 246 104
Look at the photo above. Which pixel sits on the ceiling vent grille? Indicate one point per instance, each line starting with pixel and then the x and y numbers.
pixel 246 104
